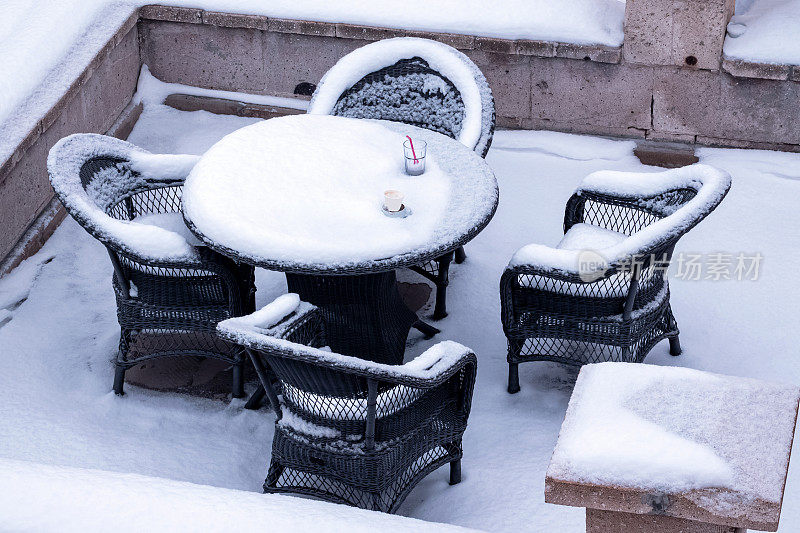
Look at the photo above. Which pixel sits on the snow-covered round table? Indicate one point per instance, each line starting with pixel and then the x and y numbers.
pixel 303 194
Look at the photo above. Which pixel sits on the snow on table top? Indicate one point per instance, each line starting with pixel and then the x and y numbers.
pixel 38 497
pixel 305 192
pixel 673 430
pixel 765 31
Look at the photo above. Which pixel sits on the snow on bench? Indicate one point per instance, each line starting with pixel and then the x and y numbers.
pixel 37 497
pixel 681 447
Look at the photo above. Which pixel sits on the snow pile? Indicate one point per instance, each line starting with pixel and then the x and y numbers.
pixel 269 315
pixel 198 130
pixel 171 222
pixel 37 497
pixel 673 430
pixel 152 91
pixel 470 126
pixel 566 145
pixel 765 31
pixel 151 240
pixel 573 21
pixel 43 47
pixel 387 402
pixel 710 183
pixel 588 237
pixel 308 190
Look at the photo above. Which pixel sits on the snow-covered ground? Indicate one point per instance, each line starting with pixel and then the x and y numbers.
pixel 135 503
pixel 765 31
pixel 57 344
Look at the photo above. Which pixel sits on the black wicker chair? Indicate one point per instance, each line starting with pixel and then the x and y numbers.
pixel 413 89
pixel 602 294
pixel 349 430
pixel 170 293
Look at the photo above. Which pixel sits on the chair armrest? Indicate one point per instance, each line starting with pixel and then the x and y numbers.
pixel 162 169
pixel 276 320
pixel 431 368
pixel 538 259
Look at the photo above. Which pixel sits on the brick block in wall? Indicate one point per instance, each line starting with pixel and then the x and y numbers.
pixel 172 13
pixel 203 55
pixel 23 194
pixel 591 97
pixel 111 86
pixel 509 78
pixel 676 32
pixel 290 59
pixel 749 69
pixel 719 105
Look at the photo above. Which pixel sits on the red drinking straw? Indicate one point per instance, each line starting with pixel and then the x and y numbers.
pixel 413 153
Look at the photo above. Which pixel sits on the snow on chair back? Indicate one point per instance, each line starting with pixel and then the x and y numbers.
pixel 415 81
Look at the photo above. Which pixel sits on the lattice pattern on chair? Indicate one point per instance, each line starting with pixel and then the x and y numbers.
pixel 164 308
pixel 353 431
pixel 621 315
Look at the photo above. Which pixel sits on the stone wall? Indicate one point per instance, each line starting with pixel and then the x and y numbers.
pixel 669 82
pixel 92 103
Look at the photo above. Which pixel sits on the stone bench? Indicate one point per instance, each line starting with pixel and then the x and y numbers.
pixel 660 449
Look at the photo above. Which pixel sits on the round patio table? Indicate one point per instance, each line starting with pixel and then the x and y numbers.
pixel 303 194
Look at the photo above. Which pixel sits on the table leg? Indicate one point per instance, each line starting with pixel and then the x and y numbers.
pixel 364 314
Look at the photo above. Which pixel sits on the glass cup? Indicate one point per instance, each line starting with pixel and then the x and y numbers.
pixel 414 151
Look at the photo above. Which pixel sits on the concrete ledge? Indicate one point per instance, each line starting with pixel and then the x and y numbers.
pixel 171 14
pixel 233 20
pixel 221 106
pixel 665 154
pixel 598 53
pixel 366 33
pixel 748 69
pixel 684 506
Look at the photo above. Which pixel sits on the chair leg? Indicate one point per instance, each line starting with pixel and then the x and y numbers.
pixel 461 255
pixel 440 311
pixel 674 346
pixel 513 378
pixel 455 472
pixel 237 390
pixel 376 501
pixel 255 400
pixel 119 379
pixel 274 474
pixel 427 330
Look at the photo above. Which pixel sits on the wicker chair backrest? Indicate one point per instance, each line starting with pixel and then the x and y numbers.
pixel 314 377
pixel 408 91
pixel 123 194
pixel 625 215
